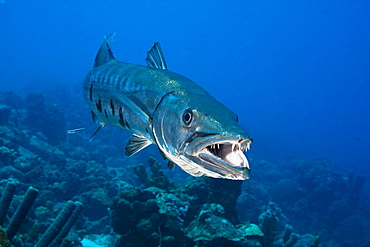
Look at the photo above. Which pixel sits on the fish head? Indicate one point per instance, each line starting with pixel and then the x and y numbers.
pixel 202 136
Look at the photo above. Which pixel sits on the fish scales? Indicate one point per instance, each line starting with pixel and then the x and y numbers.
pixel 190 127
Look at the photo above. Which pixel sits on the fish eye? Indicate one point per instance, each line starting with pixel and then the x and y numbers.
pixel 187 117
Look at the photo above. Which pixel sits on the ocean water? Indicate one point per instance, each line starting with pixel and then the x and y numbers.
pixel 297 73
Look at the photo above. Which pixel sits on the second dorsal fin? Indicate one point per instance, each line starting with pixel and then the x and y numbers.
pixel 155 58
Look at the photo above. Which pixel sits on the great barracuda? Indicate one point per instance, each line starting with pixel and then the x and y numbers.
pixel 190 127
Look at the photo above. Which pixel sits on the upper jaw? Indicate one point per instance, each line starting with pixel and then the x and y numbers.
pixel 221 154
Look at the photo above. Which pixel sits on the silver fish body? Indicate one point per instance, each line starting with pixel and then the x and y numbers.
pixel 190 127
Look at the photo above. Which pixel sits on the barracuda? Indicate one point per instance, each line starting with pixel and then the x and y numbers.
pixel 190 127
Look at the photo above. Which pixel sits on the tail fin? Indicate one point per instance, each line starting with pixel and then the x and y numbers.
pixel 105 53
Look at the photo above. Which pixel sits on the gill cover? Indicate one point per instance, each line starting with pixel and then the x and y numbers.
pixel 169 128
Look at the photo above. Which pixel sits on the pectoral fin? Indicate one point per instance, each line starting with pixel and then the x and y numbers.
pixel 171 165
pixel 135 144
pixel 130 104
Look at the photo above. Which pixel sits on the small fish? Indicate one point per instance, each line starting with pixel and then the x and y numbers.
pixel 74 130
pixel 190 127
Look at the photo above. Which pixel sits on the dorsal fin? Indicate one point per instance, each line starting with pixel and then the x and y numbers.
pixel 105 53
pixel 155 58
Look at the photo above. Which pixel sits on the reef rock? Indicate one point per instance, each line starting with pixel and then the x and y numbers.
pixel 157 179
pixel 209 225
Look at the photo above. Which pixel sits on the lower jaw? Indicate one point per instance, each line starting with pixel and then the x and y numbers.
pixel 225 170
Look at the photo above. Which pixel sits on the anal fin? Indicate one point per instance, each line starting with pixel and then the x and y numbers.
pixel 96 131
pixel 135 144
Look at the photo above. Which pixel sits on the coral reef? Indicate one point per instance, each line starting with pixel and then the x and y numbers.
pixel 157 177
pixel 210 225
pixel 12 100
pixel 276 231
pixel 152 213
pixel 37 112
pixel 166 216
pixel 310 193
pixel 4 241
pixel 55 233
pixel 126 204
pixel 6 200
pixel 226 193
pixel 21 212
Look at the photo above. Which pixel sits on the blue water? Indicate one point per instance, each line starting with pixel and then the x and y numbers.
pixel 297 73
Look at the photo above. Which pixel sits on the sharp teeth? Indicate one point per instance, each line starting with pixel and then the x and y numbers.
pixel 232 147
pixel 239 146
pixel 218 145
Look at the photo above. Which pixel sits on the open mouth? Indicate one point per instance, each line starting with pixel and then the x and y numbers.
pixel 229 152
pixel 220 154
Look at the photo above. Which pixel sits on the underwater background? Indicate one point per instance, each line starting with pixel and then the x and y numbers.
pixel 297 73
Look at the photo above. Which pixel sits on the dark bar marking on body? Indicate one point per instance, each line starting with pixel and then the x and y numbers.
pixel 91 92
pixel 112 106
pixel 98 105
pixel 124 80
pixel 121 121
pixel 93 116
pixel 105 113
pixel 128 126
